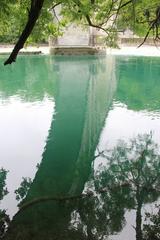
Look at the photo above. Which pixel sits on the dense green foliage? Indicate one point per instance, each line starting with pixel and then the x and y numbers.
pixel 151 228
pixel 139 16
pixel 21 192
pixel 106 15
pixel 4 218
pixel 3 189
pixel 11 28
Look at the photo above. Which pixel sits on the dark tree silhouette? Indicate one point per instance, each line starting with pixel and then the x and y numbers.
pixel 4 218
pixel 136 165
pixel 151 229
pixel 33 14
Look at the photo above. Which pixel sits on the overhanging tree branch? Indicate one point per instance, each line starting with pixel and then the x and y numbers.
pixel 124 5
pixel 34 12
pixel 55 5
pixel 94 25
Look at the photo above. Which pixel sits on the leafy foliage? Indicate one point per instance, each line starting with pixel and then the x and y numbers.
pixel 151 230
pixel 21 192
pixel 108 16
pixel 3 189
pixel 130 179
pixel 4 223
pixel 139 17
pixel 12 27
pixel 4 218
pixel 136 164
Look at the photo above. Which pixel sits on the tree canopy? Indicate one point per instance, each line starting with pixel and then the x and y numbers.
pixel 36 19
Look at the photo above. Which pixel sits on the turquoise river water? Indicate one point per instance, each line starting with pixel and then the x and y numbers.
pixel 78 151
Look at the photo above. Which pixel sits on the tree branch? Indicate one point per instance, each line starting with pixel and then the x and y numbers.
pixel 36 6
pixel 147 34
pixel 94 25
pixel 123 5
pixel 55 5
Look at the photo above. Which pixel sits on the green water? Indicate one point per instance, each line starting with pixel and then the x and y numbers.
pixel 59 116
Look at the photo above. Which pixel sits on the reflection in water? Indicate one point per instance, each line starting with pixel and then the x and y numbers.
pixel 135 110
pixel 151 228
pixel 22 191
pixel 3 189
pixel 81 103
pixel 26 108
pixel 83 89
pixel 130 180
pixel 4 218
pixel 139 84
pixel 135 166
pixel 136 106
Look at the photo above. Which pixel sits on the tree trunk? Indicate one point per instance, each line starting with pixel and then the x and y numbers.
pixel 36 6
pixel 139 215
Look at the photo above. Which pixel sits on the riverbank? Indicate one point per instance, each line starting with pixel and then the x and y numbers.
pixel 124 50
pixel 6 49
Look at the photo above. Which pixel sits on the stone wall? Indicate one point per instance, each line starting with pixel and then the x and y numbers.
pixel 74 36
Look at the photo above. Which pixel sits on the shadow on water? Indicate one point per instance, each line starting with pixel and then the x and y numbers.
pixel 68 198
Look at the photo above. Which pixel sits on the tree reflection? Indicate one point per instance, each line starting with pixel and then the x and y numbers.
pixel 102 214
pixel 130 179
pixel 151 230
pixel 22 191
pixel 3 189
pixel 4 218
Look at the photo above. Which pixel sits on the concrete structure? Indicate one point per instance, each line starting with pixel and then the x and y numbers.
pixel 75 40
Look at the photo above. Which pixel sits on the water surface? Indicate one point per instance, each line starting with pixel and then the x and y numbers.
pixel 59 116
